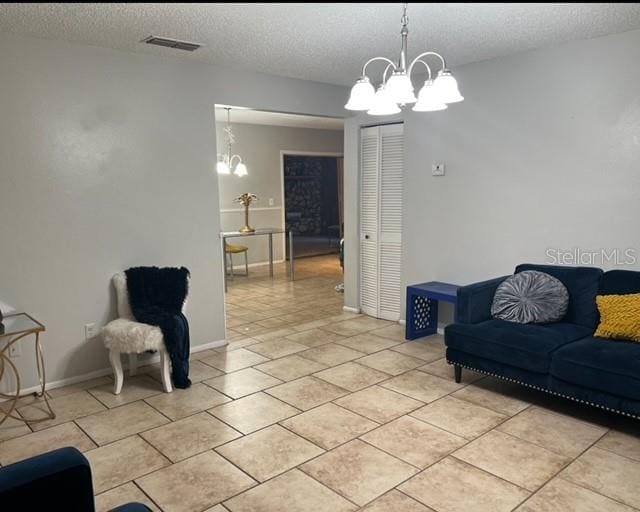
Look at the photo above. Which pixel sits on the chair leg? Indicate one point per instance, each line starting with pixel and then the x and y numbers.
pixel 133 364
pixel 116 364
pixel 165 368
pixel 458 372
pixel 246 263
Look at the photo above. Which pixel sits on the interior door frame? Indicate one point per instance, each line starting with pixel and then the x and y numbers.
pixel 292 152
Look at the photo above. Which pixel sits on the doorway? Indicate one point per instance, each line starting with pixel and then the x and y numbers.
pixel 313 206
pixel 262 298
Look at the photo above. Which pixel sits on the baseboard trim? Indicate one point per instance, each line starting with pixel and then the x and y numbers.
pixel 108 371
pixel 348 309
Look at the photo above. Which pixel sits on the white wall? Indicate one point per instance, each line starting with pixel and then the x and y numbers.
pixel 543 153
pixel 260 146
pixel 106 161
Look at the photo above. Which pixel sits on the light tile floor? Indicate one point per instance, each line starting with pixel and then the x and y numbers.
pixel 312 408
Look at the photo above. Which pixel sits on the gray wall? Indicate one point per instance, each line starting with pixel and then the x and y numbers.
pixel 543 153
pixel 260 146
pixel 107 160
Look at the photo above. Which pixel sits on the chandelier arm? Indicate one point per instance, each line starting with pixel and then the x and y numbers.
pixel 425 65
pixel 364 68
pixel 384 75
pixel 231 160
pixel 426 54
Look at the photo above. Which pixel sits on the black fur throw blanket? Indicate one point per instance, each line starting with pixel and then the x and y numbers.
pixel 156 296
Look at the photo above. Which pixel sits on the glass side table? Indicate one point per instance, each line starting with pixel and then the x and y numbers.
pixel 14 328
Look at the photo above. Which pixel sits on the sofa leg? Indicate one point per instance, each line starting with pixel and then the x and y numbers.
pixel 116 364
pixel 458 372
pixel 165 368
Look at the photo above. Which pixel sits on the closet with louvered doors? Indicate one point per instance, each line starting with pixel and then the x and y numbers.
pixel 381 183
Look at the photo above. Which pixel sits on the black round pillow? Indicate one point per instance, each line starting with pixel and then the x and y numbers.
pixel 530 297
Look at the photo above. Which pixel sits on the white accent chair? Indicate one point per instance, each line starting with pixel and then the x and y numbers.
pixel 126 336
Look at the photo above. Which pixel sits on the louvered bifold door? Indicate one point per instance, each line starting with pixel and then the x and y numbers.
pixel 390 220
pixel 369 185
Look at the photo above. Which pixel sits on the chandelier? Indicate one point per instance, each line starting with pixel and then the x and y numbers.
pixel 397 90
pixel 225 162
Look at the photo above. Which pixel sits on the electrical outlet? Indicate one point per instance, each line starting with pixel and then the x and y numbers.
pixel 90 331
pixel 15 350
pixel 271 201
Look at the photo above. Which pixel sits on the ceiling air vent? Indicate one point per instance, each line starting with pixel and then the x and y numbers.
pixel 172 43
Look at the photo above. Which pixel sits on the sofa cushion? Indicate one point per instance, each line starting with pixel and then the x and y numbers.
pixel 527 346
pixel 606 365
pixel 129 337
pixel 582 284
pixel 620 282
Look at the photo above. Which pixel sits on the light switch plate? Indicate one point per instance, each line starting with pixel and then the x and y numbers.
pixel 437 170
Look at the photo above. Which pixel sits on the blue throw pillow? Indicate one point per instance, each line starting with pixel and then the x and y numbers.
pixel 530 297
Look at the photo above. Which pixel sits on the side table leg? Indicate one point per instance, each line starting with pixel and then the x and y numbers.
pixel 291 254
pixel 42 376
pixel 224 258
pixel 4 363
pixel 270 254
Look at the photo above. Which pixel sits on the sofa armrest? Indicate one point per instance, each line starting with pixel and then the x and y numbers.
pixel 474 301
pixel 58 480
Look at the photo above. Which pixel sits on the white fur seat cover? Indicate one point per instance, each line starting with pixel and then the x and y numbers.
pixel 127 336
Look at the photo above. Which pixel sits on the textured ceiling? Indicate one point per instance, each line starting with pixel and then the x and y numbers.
pixel 322 42
pixel 248 116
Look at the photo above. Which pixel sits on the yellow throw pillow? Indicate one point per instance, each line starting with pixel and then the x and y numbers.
pixel 619 316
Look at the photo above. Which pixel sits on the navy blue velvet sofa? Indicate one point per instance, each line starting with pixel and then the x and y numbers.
pixel 562 358
pixel 59 480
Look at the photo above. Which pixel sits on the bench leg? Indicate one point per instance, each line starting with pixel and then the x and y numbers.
pixel 165 369
pixel 458 372
pixel 116 364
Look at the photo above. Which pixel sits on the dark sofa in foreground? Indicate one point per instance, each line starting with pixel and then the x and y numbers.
pixel 58 480
pixel 562 358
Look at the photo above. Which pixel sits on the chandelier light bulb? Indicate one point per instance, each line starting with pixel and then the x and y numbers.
pixel 428 99
pixel 383 105
pixel 400 88
pixel 362 95
pixel 222 167
pixel 447 87
pixel 240 170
